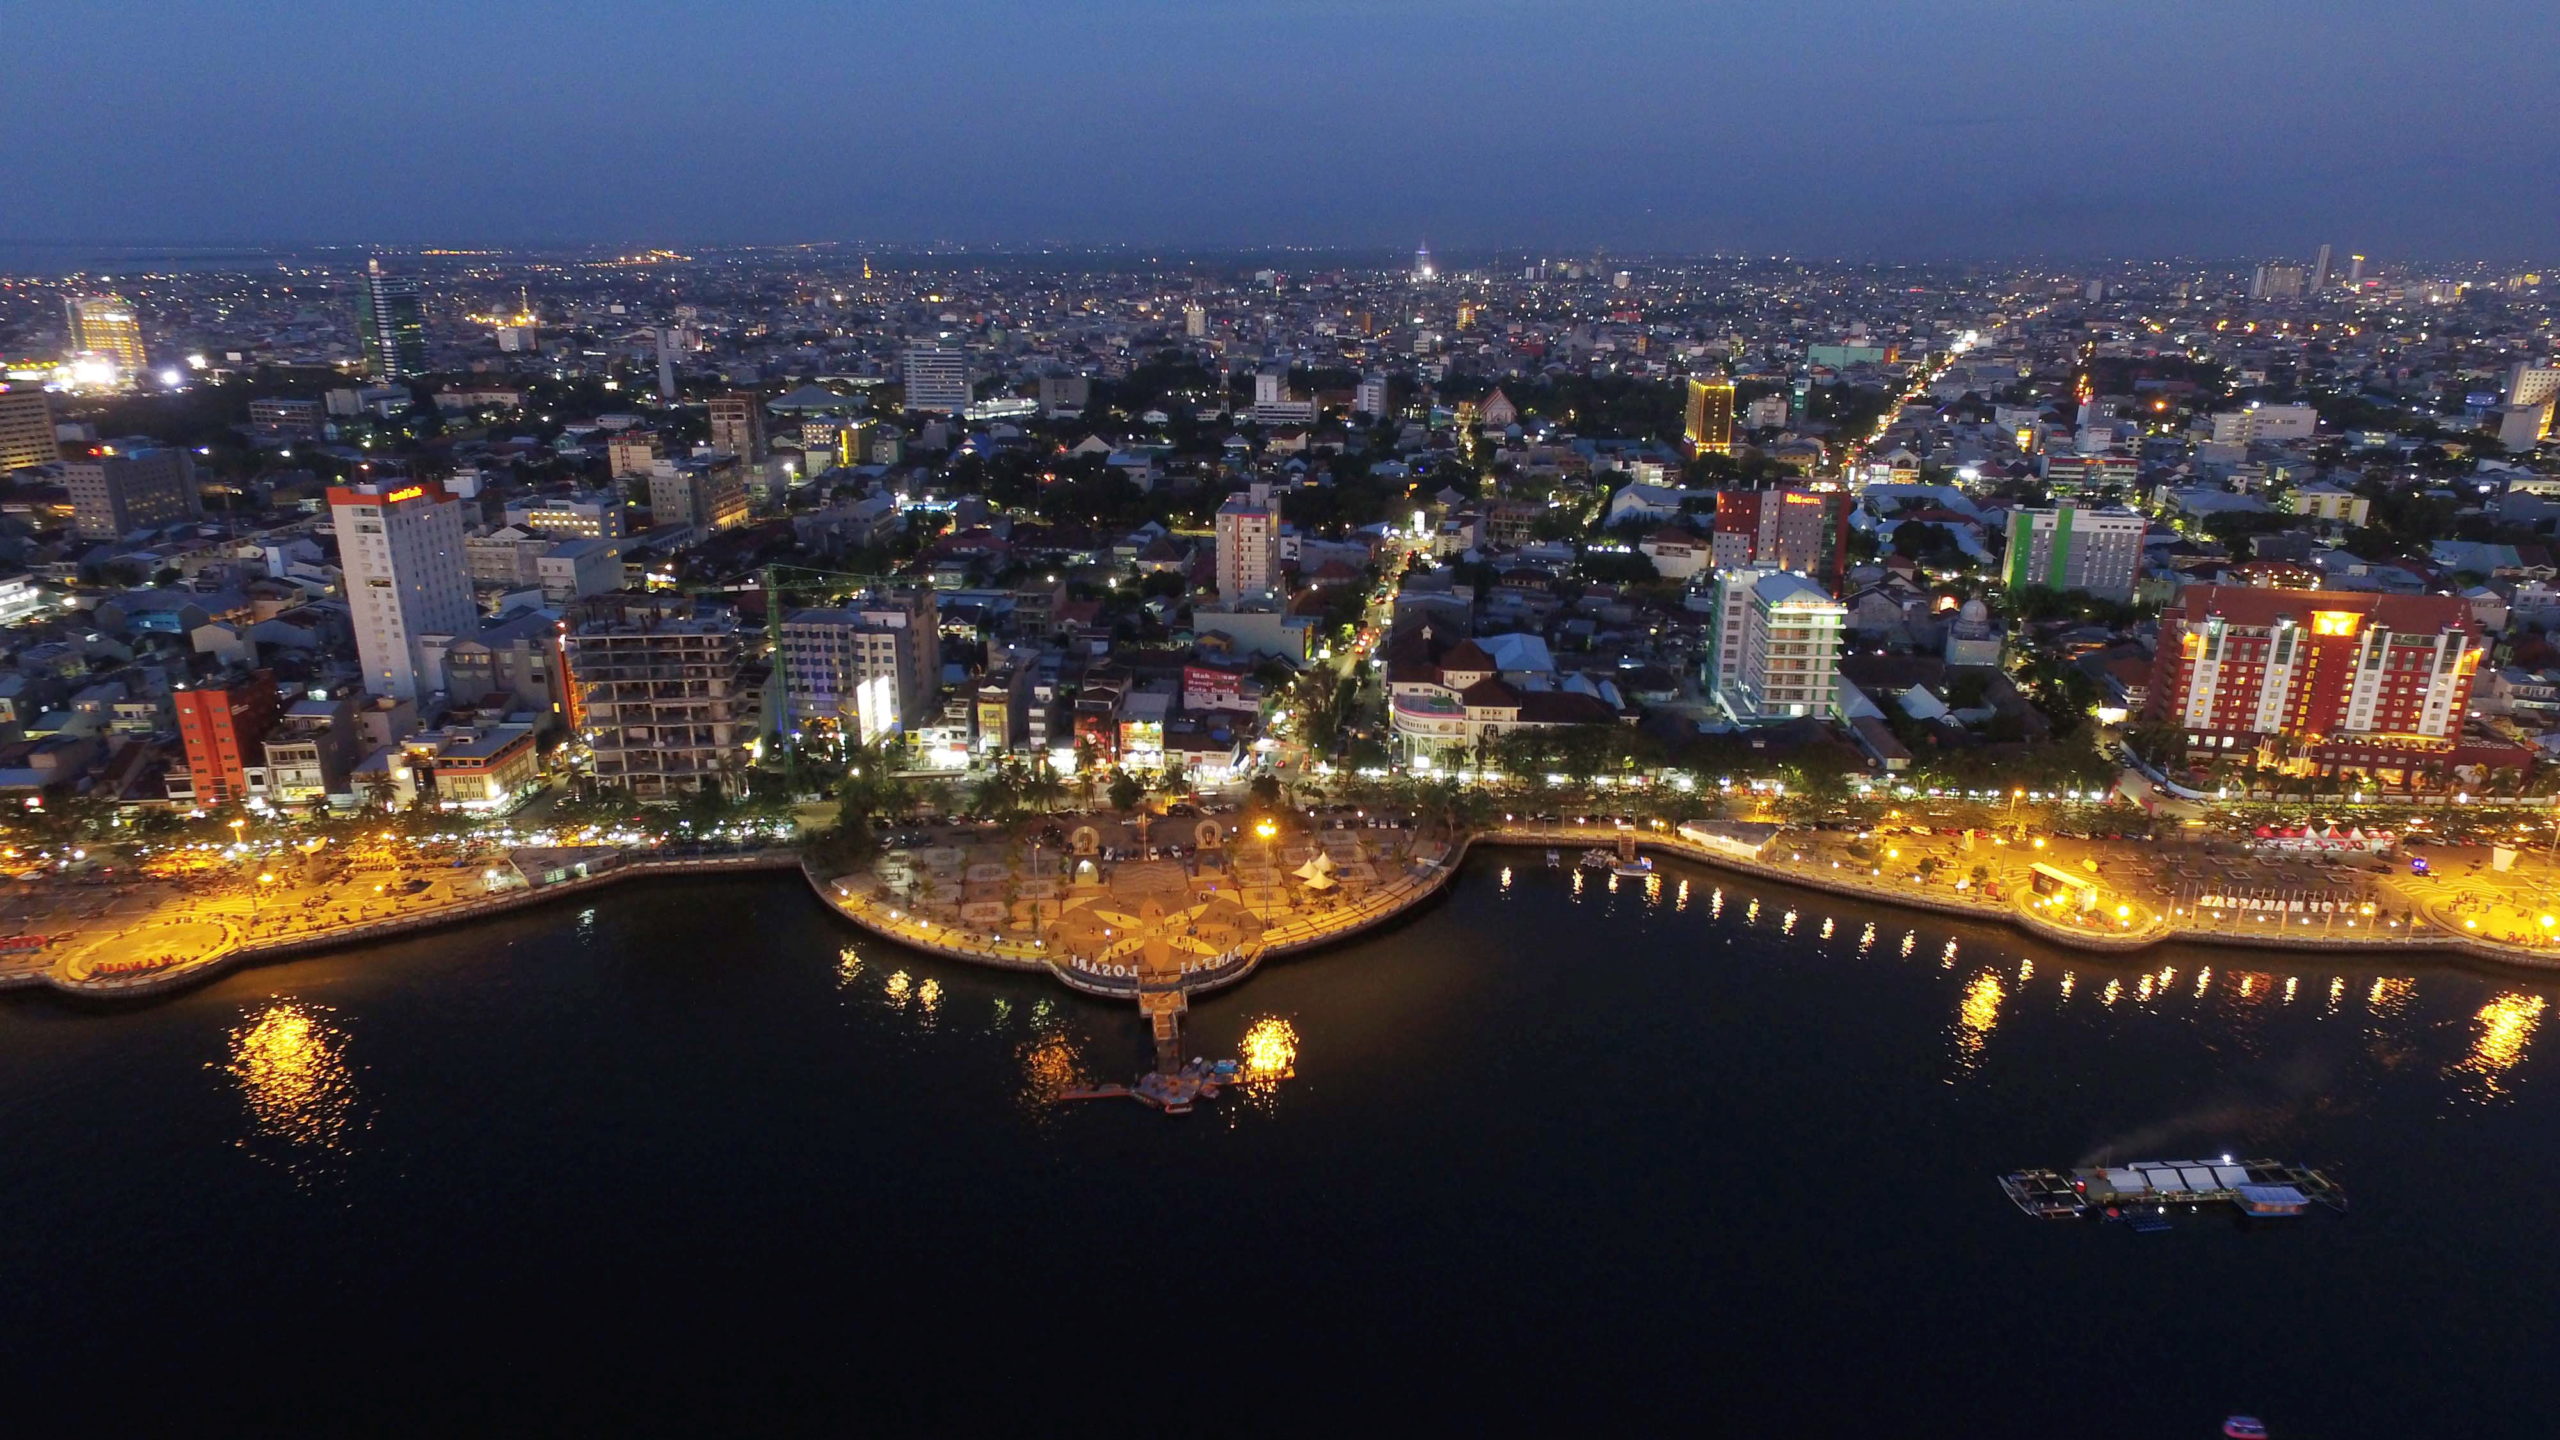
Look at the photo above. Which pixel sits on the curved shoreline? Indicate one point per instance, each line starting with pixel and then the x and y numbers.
pixel 241 955
pixel 1422 882
pixel 2020 918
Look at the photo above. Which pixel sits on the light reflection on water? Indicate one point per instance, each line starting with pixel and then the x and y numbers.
pixel 1267 1055
pixel 290 1062
pixel 1984 992
pixel 2506 1029
pixel 1976 1016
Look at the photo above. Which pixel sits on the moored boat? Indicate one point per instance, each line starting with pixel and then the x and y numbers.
pixel 2260 1189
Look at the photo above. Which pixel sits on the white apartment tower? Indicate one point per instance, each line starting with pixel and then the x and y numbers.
pixel 1249 546
pixel 400 544
pixel 1371 398
pixel 936 380
pixel 1776 651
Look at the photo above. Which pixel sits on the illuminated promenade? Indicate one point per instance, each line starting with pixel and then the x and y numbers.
pixel 1108 915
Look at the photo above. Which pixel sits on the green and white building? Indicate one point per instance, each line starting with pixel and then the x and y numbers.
pixel 2071 548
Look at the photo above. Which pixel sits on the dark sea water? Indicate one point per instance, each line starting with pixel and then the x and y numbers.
pixel 698 1159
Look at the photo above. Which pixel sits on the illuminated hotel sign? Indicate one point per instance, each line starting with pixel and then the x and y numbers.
pixel 2334 622
pixel 405 492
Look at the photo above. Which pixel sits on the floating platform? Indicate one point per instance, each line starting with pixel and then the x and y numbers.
pixel 1173 1092
pixel 2266 1189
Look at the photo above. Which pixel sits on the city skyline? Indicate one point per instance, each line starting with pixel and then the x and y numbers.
pixel 1942 130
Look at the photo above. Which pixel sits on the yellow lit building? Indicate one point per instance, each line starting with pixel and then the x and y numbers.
pixel 105 325
pixel 1710 422
pixel 26 428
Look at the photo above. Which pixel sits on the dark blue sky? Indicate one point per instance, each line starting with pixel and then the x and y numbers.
pixel 1848 127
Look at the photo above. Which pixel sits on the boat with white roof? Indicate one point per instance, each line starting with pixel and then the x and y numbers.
pixel 2262 1189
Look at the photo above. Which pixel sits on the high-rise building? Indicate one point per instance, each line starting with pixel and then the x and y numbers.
pixel 864 669
pixel 1371 398
pixel 1195 320
pixel 2276 282
pixel 26 428
pixel 1249 546
pixel 2531 384
pixel 2069 548
pixel 2347 681
pixel 658 696
pixel 1806 531
pixel 125 489
pixel 1423 269
pixel 1710 420
pixel 666 364
pixel 391 322
pixel 635 451
pixel 400 546
pixel 2320 271
pixel 105 325
pixel 737 425
pixel 708 495
pixel 1775 651
pixel 223 727
pixel 936 379
pixel 2355 271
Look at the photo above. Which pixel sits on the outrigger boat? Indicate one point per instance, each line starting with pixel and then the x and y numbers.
pixel 2261 1189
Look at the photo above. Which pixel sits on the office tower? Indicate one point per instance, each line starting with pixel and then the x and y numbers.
pixel 659 698
pixel 105 325
pixel 400 546
pixel 707 495
pixel 2355 271
pixel 1775 651
pixel 129 489
pixel 391 322
pixel 2320 271
pixel 865 669
pixel 1710 420
pixel 1249 545
pixel 1371 398
pixel 737 425
pixel 223 728
pixel 936 379
pixel 1806 531
pixel 1422 266
pixel 1195 321
pixel 26 428
pixel 2362 682
pixel 2069 548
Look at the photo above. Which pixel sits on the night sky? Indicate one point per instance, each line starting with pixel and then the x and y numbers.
pixel 1889 128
